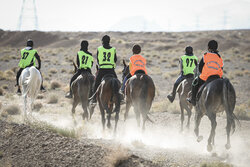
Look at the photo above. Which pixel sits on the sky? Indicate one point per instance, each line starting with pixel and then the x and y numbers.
pixel 126 15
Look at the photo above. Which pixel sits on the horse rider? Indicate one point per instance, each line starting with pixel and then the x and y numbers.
pixel 211 65
pixel 106 60
pixel 28 59
pixel 187 62
pixel 137 65
pixel 84 61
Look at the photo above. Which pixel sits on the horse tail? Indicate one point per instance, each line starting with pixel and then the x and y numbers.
pixel 33 77
pixel 229 100
pixel 144 89
pixel 144 96
pixel 115 89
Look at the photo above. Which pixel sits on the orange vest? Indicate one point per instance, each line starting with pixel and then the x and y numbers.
pixel 212 66
pixel 137 63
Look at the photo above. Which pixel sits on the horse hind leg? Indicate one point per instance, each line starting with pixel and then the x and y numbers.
pixel 230 122
pixel 212 118
pixel 189 112
pixel 198 116
pixel 103 116
pixel 182 116
pixel 128 106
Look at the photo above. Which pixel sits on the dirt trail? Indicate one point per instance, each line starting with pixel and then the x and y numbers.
pixel 161 144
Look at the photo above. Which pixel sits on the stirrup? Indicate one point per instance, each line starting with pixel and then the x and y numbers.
pixel 170 97
pixel 68 95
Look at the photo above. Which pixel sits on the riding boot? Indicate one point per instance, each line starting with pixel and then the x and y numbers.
pixel 194 91
pixel 171 96
pixel 93 101
pixel 69 94
pixel 123 85
pixel 42 88
pixel 19 90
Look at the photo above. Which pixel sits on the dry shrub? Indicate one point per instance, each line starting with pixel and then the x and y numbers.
pixel 40 96
pixel 160 106
pixel 241 112
pixel 53 99
pixel 37 106
pixel 5 87
pixel 2 75
pixel 4 114
pixel 53 71
pixel 55 85
pixel 0 105
pixel 117 157
pixel 1 92
pixel 239 73
pixel 215 164
pixel 63 71
pixel 13 110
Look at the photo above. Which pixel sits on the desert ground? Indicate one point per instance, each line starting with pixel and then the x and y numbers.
pixel 52 137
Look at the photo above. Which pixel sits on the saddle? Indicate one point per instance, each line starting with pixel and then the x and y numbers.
pixel 107 76
pixel 85 72
pixel 210 79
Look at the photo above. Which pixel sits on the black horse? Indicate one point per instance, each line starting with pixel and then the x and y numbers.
pixel 139 92
pixel 217 96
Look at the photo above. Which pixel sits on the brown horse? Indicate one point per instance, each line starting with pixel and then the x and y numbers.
pixel 108 96
pixel 183 89
pixel 82 90
pixel 217 96
pixel 139 92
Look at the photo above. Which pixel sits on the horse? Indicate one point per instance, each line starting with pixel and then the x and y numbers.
pixel 183 89
pixel 30 81
pixel 81 90
pixel 139 93
pixel 108 95
pixel 217 96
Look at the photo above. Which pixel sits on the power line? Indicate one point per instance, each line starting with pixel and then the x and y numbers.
pixel 28 19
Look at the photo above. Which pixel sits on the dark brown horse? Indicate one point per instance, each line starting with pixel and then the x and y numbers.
pixel 108 96
pixel 183 89
pixel 217 96
pixel 82 90
pixel 140 93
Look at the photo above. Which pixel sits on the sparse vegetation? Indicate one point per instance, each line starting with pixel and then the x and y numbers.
pixel 1 92
pixel 37 106
pixel 5 87
pixel 216 164
pixel 53 99
pixel 55 85
pixel 46 126
pixel 117 157
pixel 241 112
pixel 13 109
pixel 53 71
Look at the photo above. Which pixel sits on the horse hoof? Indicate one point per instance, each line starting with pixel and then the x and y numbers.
pixel 228 146
pixel 209 148
pixel 200 138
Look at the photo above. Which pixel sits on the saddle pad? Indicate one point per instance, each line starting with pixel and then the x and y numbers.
pixel 210 79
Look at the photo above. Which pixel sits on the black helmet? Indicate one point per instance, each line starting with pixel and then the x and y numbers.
pixel 84 44
pixel 136 49
pixel 212 45
pixel 189 50
pixel 105 39
pixel 30 43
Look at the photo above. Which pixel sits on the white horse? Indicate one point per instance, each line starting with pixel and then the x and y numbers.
pixel 30 81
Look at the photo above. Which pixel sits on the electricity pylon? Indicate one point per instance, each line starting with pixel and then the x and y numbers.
pixel 28 16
